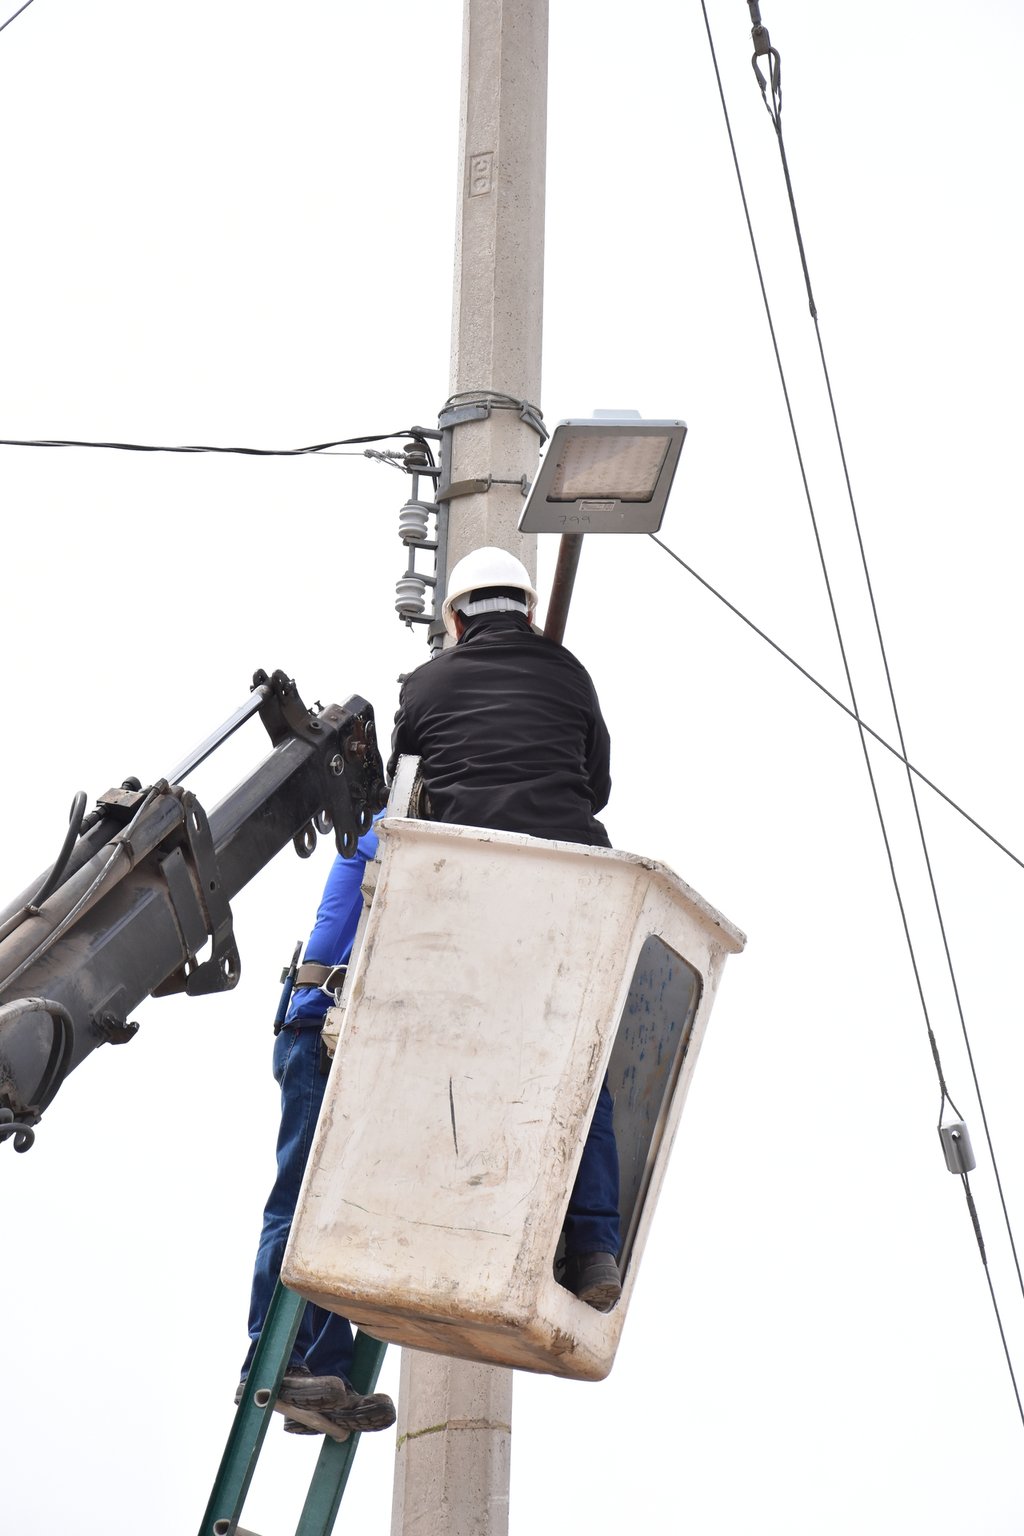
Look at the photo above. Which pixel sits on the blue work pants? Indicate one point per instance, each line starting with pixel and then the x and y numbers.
pixel 324 1340
pixel 592 1220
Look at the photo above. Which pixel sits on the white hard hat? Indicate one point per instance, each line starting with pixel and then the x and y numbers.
pixel 487 567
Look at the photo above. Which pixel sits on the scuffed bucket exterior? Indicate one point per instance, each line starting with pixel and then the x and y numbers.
pixel 480 1018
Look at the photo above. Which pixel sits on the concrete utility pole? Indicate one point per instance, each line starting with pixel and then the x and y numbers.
pixel 497 308
pixel 455 1419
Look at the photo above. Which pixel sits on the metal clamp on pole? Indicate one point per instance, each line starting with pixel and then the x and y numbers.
pixel 478 404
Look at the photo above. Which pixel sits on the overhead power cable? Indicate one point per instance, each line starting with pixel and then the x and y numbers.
pixel 16 14
pixel 763 49
pixel 834 699
pixel 279 453
pixel 820 548
pixel 774 108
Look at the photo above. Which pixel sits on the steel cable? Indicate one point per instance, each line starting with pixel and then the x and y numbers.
pixel 833 699
pixel 775 112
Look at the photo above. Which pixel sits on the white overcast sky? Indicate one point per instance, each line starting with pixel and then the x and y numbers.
pixel 233 224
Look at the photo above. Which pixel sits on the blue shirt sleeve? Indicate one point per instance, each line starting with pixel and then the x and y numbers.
pixel 337 918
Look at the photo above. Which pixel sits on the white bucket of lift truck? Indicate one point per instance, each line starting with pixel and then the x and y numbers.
pixel 498 979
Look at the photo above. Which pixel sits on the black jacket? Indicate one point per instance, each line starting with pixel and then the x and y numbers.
pixel 510 734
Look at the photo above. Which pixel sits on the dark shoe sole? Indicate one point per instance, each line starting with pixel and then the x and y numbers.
pixel 303 1421
pixel 362 1416
pixel 328 1404
pixel 593 1278
pixel 364 1413
pixel 602 1297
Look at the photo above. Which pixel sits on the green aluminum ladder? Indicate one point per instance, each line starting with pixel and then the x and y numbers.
pixel 253 1417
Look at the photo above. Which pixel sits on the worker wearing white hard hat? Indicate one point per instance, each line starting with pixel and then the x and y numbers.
pixel 488 580
pixel 510 736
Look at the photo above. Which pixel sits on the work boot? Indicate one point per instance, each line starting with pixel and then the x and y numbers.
pixel 594 1278
pixel 333 1397
pixel 301 1389
pixel 358 1413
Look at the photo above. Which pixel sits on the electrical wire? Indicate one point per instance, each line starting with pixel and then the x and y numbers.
pixel 817 539
pixel 16 14
pixel 763 49
pixel 833 699
pixel 413 433
pixel 775 113
pixel 973 1211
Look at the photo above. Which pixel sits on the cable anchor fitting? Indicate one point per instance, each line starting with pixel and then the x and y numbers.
pixel 758 31
pixel 956 1147
pixel 763 50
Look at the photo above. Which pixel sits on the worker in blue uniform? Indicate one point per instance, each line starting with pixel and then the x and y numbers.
pixel 510 735
pixel 316 1376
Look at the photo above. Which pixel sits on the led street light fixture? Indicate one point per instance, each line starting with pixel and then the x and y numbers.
pixel 609 473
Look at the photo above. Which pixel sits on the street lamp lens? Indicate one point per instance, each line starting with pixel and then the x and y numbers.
pixel 625 466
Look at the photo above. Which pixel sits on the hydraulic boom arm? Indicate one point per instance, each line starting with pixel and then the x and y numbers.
pixel 129 908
